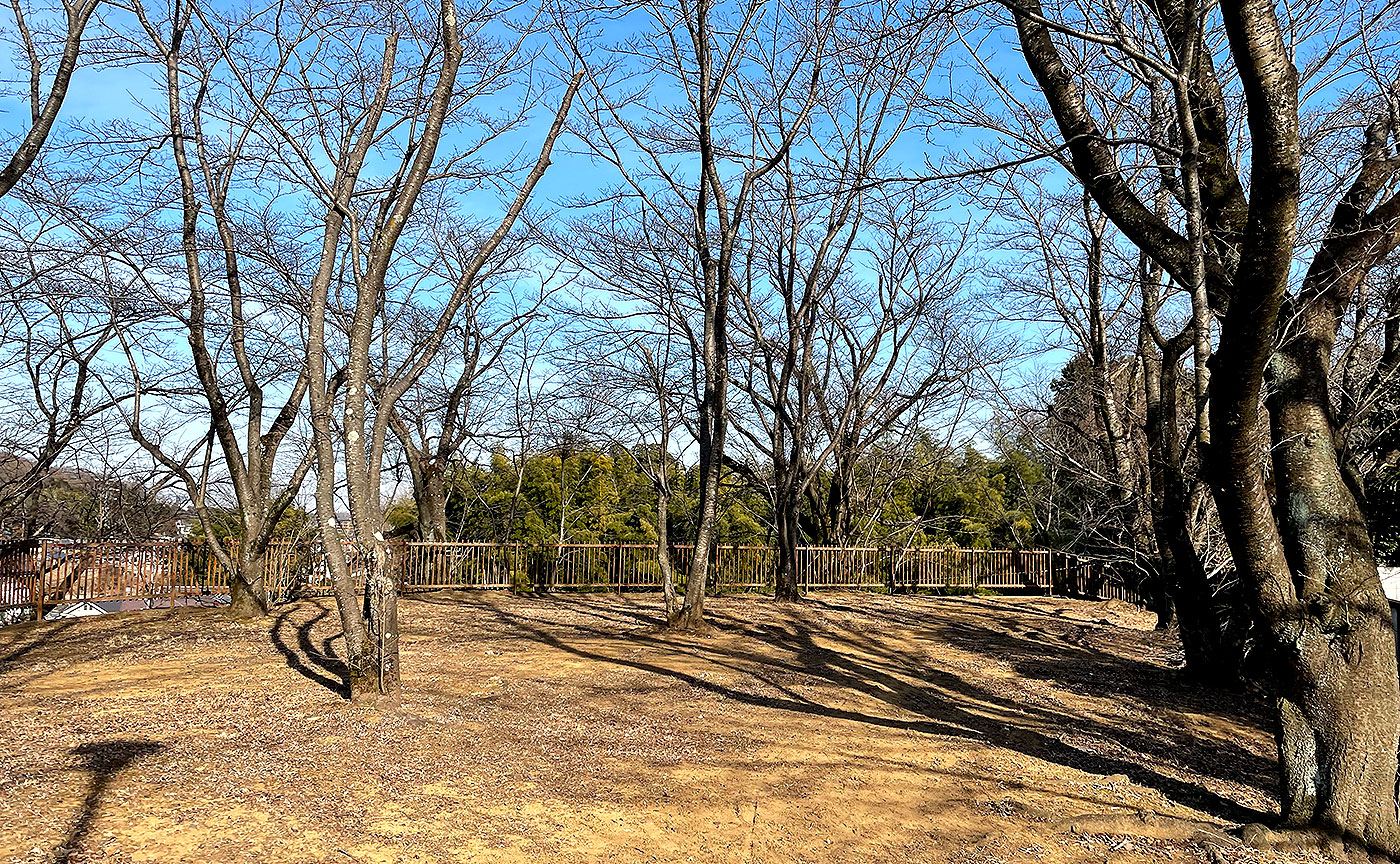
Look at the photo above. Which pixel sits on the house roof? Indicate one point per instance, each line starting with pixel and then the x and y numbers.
pixel 1390 581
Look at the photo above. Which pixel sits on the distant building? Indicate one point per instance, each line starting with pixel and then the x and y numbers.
pixel 1390 581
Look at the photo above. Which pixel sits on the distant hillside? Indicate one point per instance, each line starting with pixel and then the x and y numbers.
pixel 80 504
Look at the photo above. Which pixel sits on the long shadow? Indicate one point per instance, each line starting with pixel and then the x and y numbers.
pixel 578 604
pixel 324 667
pixel 942 699
pixel 47 636
pixel 1095 672
pixel 1103 676
pixel 1025 608
pixel 1221 759
pixel 103 760
pixel 1088 670
pixel 623 608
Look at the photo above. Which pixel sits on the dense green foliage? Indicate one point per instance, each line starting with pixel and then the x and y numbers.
pixel 596 495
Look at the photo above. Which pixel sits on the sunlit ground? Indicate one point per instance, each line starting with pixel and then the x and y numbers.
pixel 848 728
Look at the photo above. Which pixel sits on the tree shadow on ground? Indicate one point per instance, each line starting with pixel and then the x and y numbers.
pixel 1063 666
pixel 44 634
pixel 936 701
pixel 623 610
pixel 103 760
pixel 1069 653
pixel 319 666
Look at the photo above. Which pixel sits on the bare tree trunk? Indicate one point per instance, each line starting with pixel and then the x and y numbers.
pixel 1210 645
pixel 786 581
pixel 429 494
pixel 247 590
pixel 1308 561
pixel 691 615
pixel 663 549
pixel 1339 712
pixel 1297 536
pixel 382 600
pixel 789 532
pixel 432 506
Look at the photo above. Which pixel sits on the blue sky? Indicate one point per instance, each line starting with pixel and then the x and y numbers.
pixel 99 95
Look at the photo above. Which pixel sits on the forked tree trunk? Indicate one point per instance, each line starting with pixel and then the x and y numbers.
pixel 713 430
pixel 430 495
pixel 1339 696
pixel 1297 536
pixel 247 588
pixel 839 498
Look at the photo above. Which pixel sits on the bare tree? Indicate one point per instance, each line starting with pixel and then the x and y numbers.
pixel 748 77
pixel 432 421
pixel 633 393
pixel 1288 509
pixel 45 103
pixel 838 360
pixel 399 104
pixel 65 304
pixel 225 283
pixel 1366 374
pixel 801 319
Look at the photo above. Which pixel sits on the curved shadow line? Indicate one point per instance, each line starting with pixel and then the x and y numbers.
pixel 325 663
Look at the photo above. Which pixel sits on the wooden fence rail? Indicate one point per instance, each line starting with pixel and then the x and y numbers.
pixel 36 576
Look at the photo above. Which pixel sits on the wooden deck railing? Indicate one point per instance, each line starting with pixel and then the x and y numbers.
pixel 37 575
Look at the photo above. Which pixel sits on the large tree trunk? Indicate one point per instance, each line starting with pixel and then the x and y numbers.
pixel 1304 550
pixel 430 495
pixel 247 589
pixel 1339 700
pixel 1297 538
pixel 785 585
pixel 382 602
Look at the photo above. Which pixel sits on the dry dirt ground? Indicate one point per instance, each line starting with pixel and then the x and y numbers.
pixel 849 728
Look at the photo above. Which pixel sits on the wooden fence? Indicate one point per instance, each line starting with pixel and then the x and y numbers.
pixel 35 576
pixel 39 574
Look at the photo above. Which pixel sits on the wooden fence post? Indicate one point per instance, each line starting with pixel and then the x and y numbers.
pixel 39 580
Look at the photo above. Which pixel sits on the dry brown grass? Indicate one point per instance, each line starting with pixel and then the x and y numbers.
pixel 848 728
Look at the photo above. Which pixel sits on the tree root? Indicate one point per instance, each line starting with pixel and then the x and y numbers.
pixel 695 628
pixel 1337 846
pixel 1145 823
